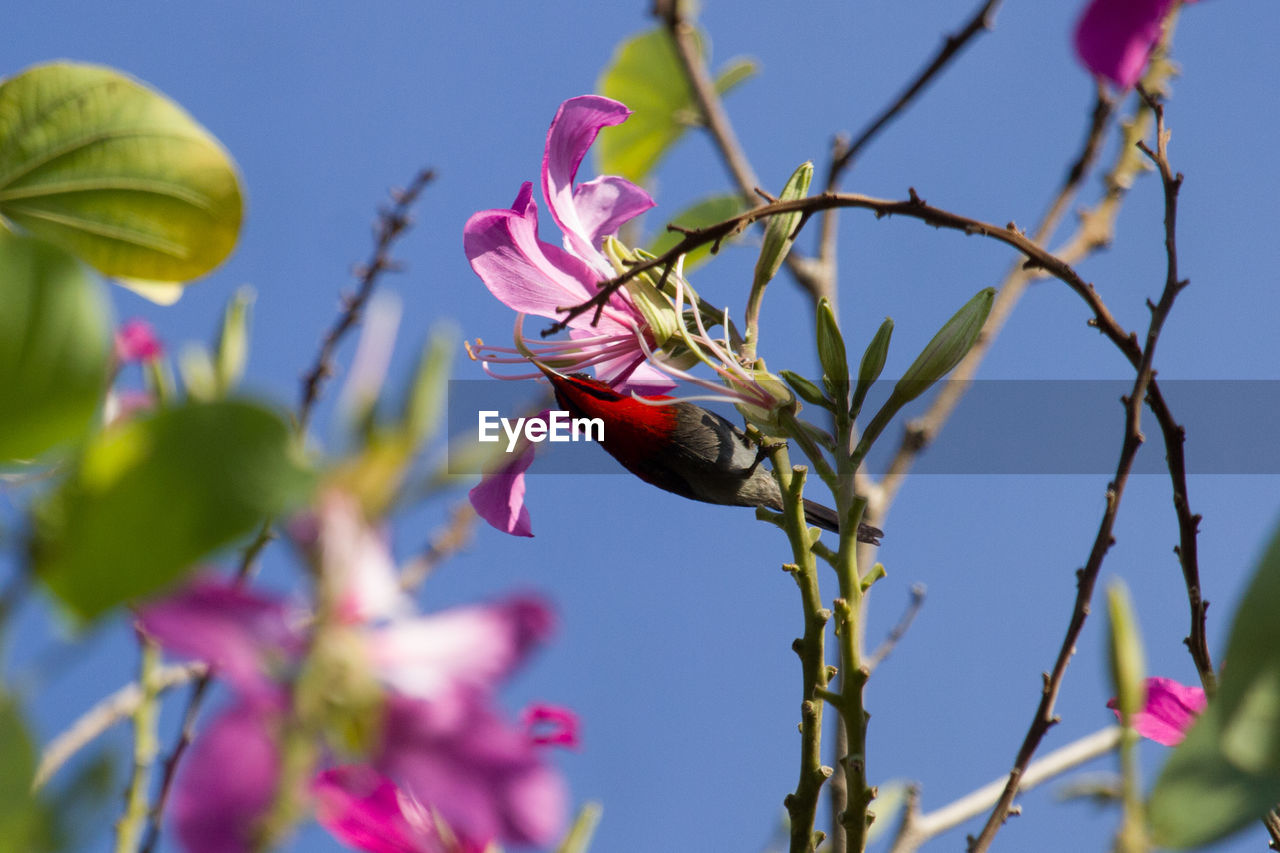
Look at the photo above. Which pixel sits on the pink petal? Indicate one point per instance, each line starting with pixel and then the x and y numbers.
pixel 451 657
pixel 355 558
pixel 573 130
pixel 526 274
pixel 604 204
pixel 240 634
pixel 499 498
pixel 227 783
pixel 136 341
pixel 550 725
pixel 484 777
pixel 1115 38
pixel 361 807
pixel 1170 710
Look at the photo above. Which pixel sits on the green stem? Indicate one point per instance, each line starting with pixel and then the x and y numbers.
pixel 1132 835
pixel 145 745
pixel 802 805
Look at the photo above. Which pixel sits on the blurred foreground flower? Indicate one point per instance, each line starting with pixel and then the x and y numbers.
pixel 1115 38
pixel 434 735
pixel 136 340
pixel 1170 710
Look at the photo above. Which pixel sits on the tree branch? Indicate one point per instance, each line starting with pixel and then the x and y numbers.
pixel 1087 577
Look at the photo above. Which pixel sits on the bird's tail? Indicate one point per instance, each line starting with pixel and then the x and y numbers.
pixel 825 517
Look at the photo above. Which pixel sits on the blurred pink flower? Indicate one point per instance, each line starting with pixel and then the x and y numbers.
pixel 361 807
pixel 136 341
pixel 1170 710
pixel 442 742
pixel 1115 38
pixel 551 725
pixel 228 781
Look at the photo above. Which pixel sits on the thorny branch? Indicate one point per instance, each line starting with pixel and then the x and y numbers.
pixel 392 222
pixel 1087 576
pixel 898 631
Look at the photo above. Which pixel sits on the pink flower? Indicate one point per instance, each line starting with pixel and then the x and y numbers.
pixel 484 777
pixel 228 781
pixel 551 725
pixel 533 277
pixel 136 341
pixel 361 807
pixel 1170 710
pixel 1115 38
pixel 442 743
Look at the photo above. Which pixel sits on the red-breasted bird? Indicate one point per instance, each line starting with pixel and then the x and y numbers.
pixel 684 448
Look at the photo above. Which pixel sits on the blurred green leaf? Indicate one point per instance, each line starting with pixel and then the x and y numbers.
pixel 151 496
pixel 22 828
pixel 54 335
pixel 709 211
pixel 233 341
pixel 1226 774
pixel 645 74
pixel 1125 655
pixel 734 73
pixel 424 404
pixel 115 172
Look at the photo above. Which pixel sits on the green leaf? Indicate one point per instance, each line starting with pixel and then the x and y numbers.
pixel 831 353
pixel 54 335
pixel 1200 796
pixel 709 211
pixel 233 341
pixel 1226 774
pixel 734 73
pixel 645 74
pixel 424 405
pixel 151 496
pixel 806 390
pixel 20 818
pixel 779 234
pixel 115 172
pixel 872 363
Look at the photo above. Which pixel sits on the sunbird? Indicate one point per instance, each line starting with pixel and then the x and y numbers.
pixel 684 448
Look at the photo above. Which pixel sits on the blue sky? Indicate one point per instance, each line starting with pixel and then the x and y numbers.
pixel 676 622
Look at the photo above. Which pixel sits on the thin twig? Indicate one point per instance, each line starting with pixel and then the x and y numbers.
pixel 899 630
pixel 446 540
pixel 1087 577
pixel 843 153
pixel 391 224
pixel 102 716
pixel 918 828
pixel 950 49
pixel 1188 522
